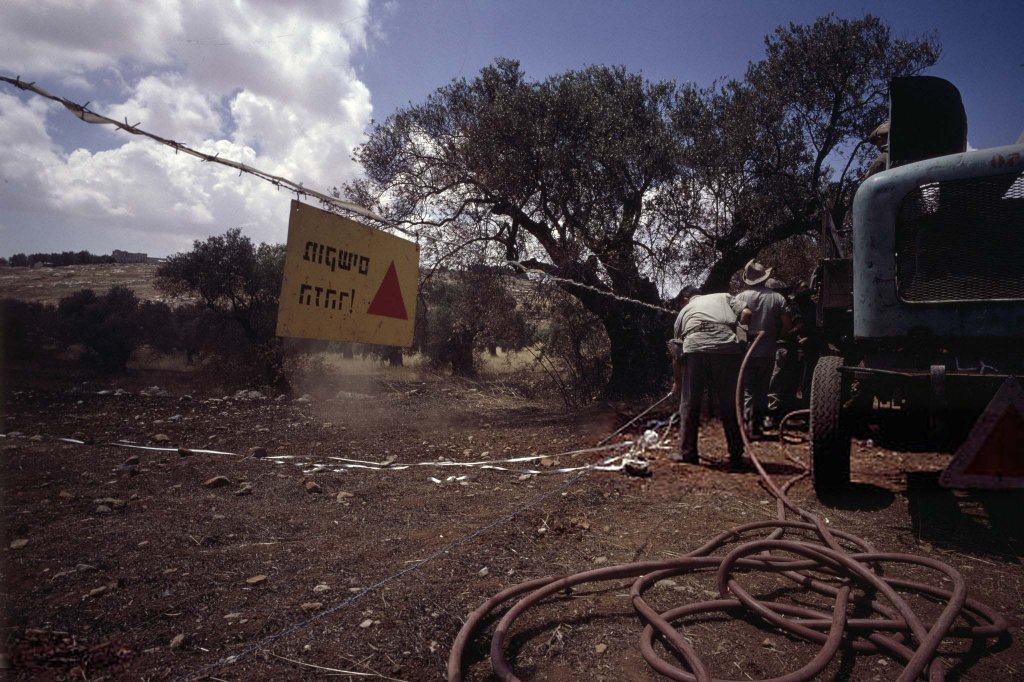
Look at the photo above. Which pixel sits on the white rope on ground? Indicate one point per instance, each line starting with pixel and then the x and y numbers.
pixel 123 444
pixel 416 565
pixel 346 463
pixel 82 112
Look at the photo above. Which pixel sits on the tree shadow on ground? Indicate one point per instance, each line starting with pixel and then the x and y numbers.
pixel 981 522
pixel 857 496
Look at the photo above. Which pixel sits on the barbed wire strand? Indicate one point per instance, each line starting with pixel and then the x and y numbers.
pixel 522 267
pixel 81 111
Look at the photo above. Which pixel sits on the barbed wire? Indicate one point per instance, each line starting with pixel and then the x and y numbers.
pixel 83 112
pixel 522 267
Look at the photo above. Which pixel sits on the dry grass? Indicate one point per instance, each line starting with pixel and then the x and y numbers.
pixel 49 285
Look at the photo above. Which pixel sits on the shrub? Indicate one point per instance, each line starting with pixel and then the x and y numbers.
pixel 463 312
pixel 28 331
pixel 108 326
pixel 238 284
pixel 574 348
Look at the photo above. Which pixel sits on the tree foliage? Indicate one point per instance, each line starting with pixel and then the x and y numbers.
pixel 108 326
pixel 770 153
pixel 462 313
pixel 554 174
pixel 231 275
pixel 619 187
pixel 57 259
pixel 29 331
pixel 573 348
pixel 237 281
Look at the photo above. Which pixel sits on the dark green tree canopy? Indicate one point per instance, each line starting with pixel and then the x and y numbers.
pixel 622 188
pixel 231 275
pixel 554 173
pixel 776 150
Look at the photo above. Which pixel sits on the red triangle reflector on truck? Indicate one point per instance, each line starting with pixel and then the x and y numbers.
pixel 991 457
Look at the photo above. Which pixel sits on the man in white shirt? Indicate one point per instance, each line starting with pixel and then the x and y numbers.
pixel 706 352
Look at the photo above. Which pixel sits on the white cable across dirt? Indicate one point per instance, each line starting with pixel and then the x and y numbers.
pixel 345 463
pixel 416 564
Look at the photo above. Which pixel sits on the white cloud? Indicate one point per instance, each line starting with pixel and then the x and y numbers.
pixel 28 149
pixel 169 104
pixel 44 38
pixel 266 83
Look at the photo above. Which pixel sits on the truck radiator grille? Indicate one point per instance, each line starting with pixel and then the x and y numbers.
pixel 962 240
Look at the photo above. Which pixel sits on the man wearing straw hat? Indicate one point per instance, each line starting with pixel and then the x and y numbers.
pixel 880 138
pixel 770 315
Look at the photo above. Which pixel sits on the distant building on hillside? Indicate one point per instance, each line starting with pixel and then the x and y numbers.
pixel 126 257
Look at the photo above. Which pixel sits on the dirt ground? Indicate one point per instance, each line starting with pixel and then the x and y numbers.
pixel 117 569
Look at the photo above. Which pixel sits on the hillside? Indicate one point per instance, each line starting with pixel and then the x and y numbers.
pixel 50 284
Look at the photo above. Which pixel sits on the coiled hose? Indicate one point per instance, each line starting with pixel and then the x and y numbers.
pixel 855 578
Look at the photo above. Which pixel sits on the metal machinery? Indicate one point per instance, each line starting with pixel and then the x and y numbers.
pixel 937 300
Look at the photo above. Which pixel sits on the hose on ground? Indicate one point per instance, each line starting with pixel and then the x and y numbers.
pixel 870 610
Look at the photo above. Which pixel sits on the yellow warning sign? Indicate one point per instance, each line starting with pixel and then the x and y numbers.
pixel 346 282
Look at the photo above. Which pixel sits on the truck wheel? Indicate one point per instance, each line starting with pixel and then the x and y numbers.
pixel 830 435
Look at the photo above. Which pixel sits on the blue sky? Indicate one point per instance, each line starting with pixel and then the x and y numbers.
pixel 983 53
pixel 291 88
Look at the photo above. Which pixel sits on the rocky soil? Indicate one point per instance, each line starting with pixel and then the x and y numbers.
pixel 269 538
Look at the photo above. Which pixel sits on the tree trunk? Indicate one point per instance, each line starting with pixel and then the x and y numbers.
pixel 637 336
pixel 462 354
pixel 639 355
pixel 720 275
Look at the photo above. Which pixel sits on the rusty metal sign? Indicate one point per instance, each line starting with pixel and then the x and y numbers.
pixel 991 457
pixel 344 281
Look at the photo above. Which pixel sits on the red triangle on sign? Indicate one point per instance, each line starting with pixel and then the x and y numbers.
pixel 388 302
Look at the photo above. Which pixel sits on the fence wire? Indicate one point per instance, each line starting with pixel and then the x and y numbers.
pixel 82 112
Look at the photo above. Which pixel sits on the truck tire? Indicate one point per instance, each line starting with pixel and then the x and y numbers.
pixel 830 434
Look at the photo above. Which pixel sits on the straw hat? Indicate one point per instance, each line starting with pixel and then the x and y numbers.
pixel 880 135
pixel 755 273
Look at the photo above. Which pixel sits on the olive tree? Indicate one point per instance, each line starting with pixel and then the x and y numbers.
pixel 462 312
pixel 240 283
pixel 771 154
pixel 554 175
pixel 618 188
